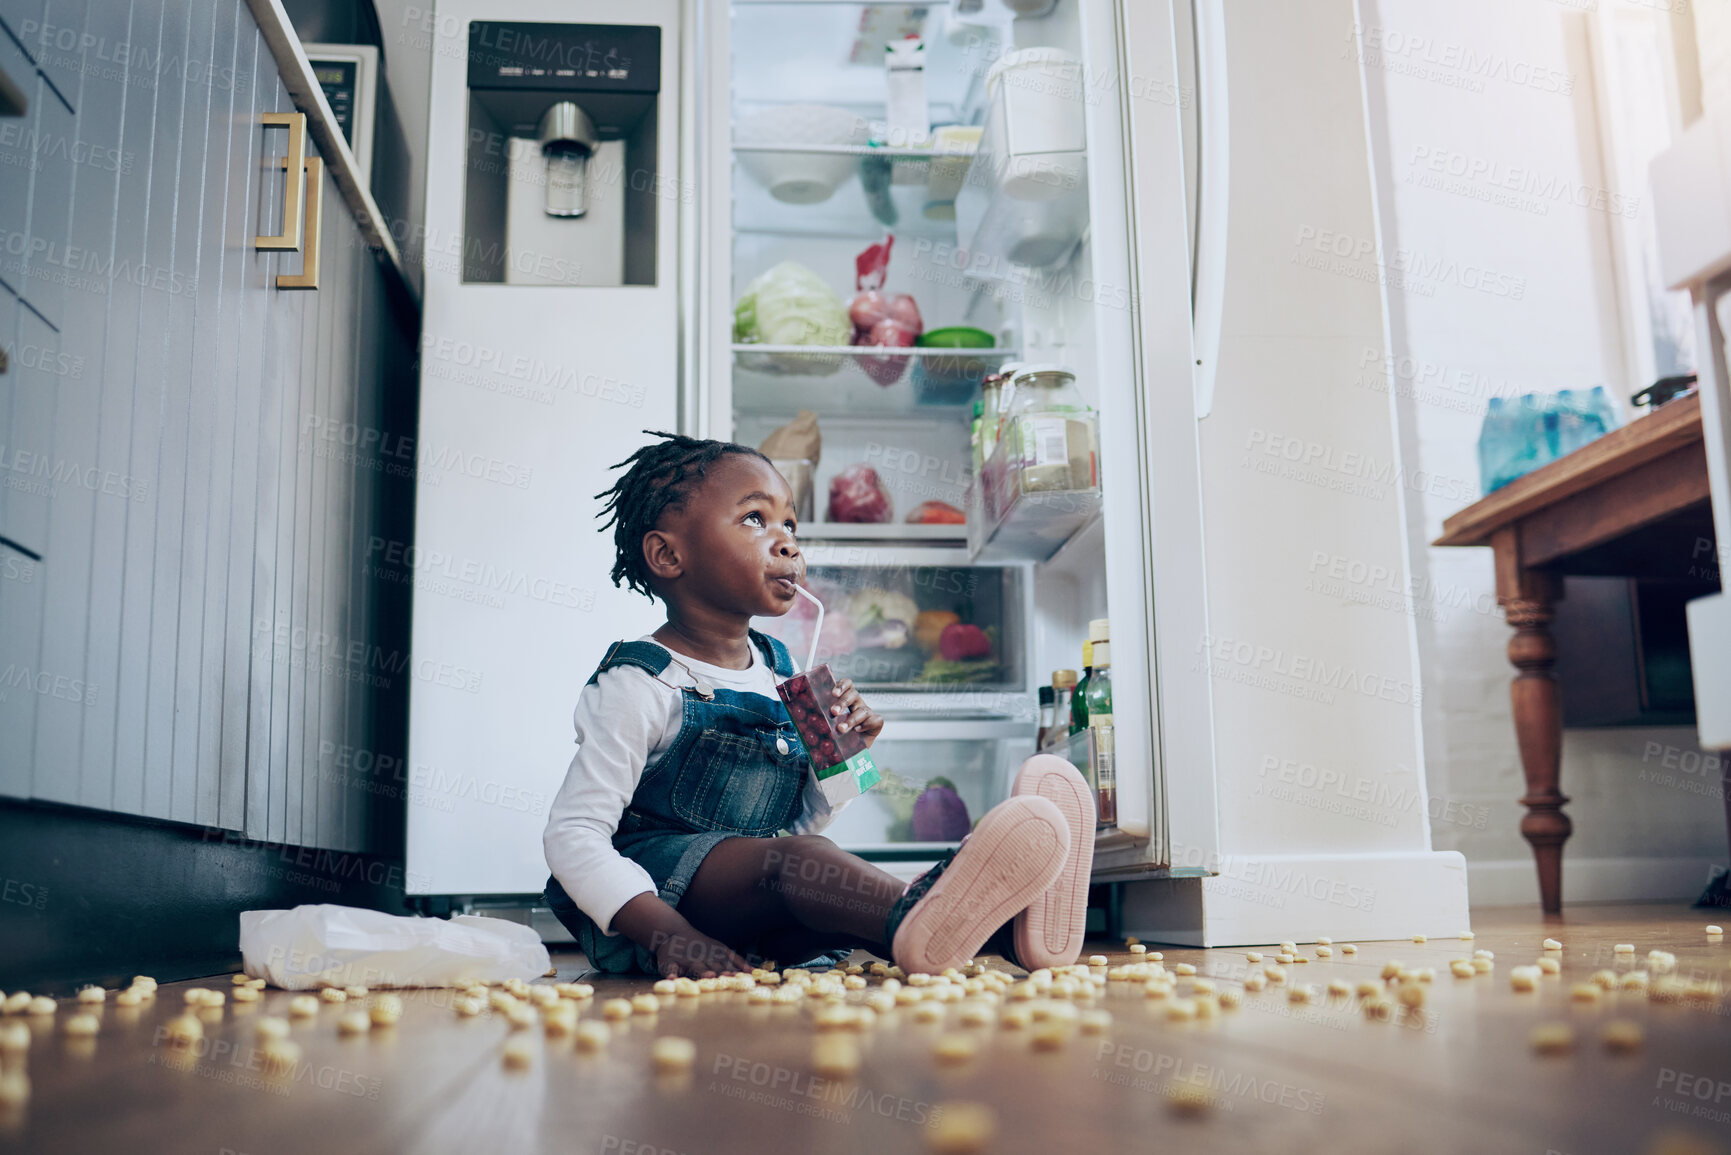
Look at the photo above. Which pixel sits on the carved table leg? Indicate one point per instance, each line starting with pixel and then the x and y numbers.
pixel 1539 732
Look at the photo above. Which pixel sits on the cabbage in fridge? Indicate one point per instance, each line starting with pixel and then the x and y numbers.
pixel 790 305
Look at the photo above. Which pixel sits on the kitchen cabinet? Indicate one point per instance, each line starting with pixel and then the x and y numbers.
pixel 192 643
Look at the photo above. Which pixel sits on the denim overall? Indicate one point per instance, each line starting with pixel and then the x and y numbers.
pixel 724 776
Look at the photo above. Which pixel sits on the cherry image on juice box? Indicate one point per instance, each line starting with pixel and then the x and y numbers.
pixel 843 765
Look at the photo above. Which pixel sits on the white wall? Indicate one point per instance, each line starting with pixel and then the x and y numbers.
pixel 1507 293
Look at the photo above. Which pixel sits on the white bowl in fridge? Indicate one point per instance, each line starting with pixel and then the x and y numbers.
pixel 800 178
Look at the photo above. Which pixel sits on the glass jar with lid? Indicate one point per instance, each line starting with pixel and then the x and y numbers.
pixel 1054 438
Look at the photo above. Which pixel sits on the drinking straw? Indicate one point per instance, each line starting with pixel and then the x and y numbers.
pixel 816 630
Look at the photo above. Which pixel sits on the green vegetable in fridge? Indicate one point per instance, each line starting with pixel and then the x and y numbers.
pixel 791 305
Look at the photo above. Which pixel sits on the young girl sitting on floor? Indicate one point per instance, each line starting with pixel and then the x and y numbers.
pixel 684 840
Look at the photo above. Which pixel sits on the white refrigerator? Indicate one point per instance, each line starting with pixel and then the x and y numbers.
pixel 1073 234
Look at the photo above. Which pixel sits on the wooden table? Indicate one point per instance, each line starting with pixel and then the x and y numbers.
pixel 1630 504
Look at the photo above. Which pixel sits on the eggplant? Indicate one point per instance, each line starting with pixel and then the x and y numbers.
pixel 940 815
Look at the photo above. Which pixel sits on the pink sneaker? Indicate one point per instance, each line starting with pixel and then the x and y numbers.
pixel 947 913
pixel 1049 932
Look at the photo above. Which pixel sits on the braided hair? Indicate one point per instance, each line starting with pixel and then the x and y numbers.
pixel 660 478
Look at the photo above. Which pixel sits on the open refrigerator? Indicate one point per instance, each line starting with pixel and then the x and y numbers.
pixel 1089 267
pixel 1003 172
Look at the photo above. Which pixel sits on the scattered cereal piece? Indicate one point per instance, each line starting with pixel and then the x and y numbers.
pixel 1410 995
pixel 1349 948
pixel 1097 960
pixel 954 1050
pixel 184 1030
pixel 1016 1018
pixel 1254 956
pixel 1553 1038
pixel 356 1022
pixel 43 1005
pixel 1585 993
pixel 645 1004
pixel 1715 931
pixel 14 1088
pixel 280 1056
pixel 1420 938
pixel 1467 936
pixel 194 996
pixel 14 1039
pixel 1324 951
pixel 1340 988
pixel 1289 947
pixel 1621 1036
pixel 1607 980
pixel 1550 965
pixel 672 1054
pixel 1183 969
pixel 92 995
pixel 386 1011
pixel 1230 999
pixel 1096 1021
pixel 1255 981
pixel 83 1025
pixel 592 1035
pixel 518 1053
pixel 1138 948
pixel 1484 966
pixel 835 1056
pixel 959 1128
pixel 1524 979
pixel 1378 1009
pixel 1189 1100
pixel 1462 968
pixel 241 995
pixel 1284 958
pixel 1623 948
pixel 928 1012
pixel 355 992
pixel 616 1009
pixel 16 1003
pixel 1181 1010
pixel 520 1016
pixel 1424 975
pixel 303 1006
pixel 1300 993
pixel 1369 989
pixel 1485 954
pixel 1274 974
pixel 1391 969
pixel 271 1027
pixel 1552 944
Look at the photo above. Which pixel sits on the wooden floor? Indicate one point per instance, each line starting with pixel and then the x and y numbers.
pixel 1457 1077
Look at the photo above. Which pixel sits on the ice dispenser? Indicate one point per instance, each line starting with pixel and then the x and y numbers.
pixel 560 179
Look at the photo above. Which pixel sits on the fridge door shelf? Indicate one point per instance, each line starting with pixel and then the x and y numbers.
pixel 1078 750
pixel 910 191
pixel 780 380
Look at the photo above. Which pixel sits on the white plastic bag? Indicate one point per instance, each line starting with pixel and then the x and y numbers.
pixel 325 945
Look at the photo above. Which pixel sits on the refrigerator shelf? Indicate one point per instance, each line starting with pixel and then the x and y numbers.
pixel 827 531
pixel 780 380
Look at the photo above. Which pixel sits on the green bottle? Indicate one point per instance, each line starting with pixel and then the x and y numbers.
pixel 1079 700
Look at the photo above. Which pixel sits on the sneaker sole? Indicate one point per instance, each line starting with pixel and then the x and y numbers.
pixel 1019 847
pixel 1049 933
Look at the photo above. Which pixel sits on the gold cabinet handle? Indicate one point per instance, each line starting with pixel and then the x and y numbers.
pixel 308 277
pixel 290 237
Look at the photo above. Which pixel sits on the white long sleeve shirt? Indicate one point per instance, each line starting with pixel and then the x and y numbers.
pixel 625 721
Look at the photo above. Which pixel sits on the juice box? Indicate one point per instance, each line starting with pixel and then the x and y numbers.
pixel 843 765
